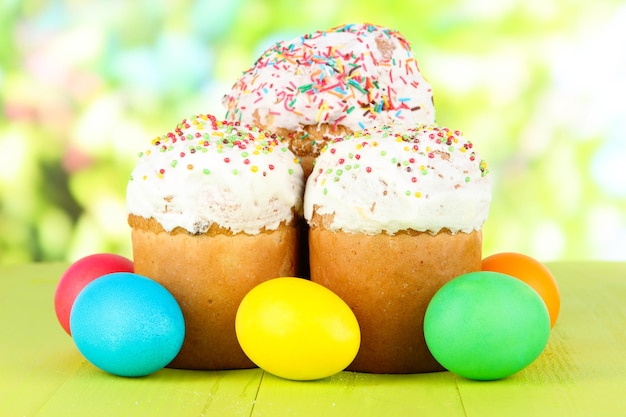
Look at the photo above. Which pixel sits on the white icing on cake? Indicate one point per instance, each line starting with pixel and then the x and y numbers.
pixel 391 179
pixel 357 76
pixel 210 172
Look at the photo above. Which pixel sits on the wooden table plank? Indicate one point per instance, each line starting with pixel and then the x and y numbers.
pixel 360 394
pixel 91 392
pixel 43 374
pixel 582 372
pixel 36 356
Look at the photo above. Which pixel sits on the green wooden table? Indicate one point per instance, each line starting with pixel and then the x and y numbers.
pixel 582 371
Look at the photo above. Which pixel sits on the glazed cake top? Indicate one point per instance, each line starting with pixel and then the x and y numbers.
pixel 209 172
pixel 390 179
pixel 355 75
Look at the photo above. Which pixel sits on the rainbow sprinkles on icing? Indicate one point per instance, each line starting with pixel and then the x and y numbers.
pixel 386 179
pixel 355 75
pixel 207 171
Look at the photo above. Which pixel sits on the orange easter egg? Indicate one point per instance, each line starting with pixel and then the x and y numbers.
pixel 533 273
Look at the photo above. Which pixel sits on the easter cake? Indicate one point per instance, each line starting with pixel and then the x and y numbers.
pixel 331 83
pixel 213 208
pixel 395 213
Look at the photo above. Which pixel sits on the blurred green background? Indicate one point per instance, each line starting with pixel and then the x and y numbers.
pixel 539 86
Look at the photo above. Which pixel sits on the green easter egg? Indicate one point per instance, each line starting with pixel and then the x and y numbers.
pixel 486 325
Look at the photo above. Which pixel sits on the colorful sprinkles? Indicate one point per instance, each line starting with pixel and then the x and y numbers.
pixel 202 133
pixel 422 143
pixel 353 77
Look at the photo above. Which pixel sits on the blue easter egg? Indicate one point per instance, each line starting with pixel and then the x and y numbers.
pixel 127 324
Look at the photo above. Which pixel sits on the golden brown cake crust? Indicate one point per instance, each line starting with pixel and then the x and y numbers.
pixel 209 275
pixel 307 143
pixel 388 282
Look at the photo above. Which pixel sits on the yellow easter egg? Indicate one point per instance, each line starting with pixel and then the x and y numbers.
pixel 297 329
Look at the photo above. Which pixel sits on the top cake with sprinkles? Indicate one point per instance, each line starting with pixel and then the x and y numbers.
pixel 355 76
